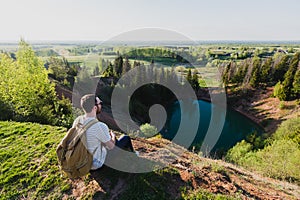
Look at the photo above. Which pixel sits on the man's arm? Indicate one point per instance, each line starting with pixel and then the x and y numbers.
pixel 111 143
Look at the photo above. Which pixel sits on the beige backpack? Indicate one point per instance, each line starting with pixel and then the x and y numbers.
pixel 72 153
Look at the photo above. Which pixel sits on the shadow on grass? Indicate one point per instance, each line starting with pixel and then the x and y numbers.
pixel 161 183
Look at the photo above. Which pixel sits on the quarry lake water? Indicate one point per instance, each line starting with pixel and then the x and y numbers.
pixel 235 128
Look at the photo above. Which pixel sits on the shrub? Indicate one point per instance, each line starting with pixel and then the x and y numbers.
pixel 238 152
pixel 148 130
pixel 278 91
pixel 279 159
pixel 289 129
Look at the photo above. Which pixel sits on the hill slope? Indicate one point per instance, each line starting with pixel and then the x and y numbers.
pixel 29 170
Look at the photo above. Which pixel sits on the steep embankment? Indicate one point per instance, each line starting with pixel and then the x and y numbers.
pixel 261 107
pixel 29 170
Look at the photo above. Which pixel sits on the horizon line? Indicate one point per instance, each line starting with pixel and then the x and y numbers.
pixel 146 41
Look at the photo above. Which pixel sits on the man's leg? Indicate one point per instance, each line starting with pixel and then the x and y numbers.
pixel 124 142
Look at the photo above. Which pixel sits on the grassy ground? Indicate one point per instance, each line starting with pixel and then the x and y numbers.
pixel 28 161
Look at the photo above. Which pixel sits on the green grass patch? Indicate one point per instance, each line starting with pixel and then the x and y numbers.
pixel 29 167
pixel 202 194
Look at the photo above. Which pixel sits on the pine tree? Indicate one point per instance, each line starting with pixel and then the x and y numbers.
pixel 101 65
pixel 118 66
pixel 255 76
pixel 189 76
pixel 162 75
pixel 296 84
pixel 96 70
pixel 195 82
pixel 225 75
pixel 126 66
pixel 240 74
pixel 289 77
pixel 249 69
pixel 266 71
pixel 280 69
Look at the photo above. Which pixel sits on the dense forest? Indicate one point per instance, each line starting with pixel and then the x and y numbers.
pixel 281 69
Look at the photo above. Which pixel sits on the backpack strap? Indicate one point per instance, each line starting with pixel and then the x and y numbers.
pixel 82 130
pixel 87 126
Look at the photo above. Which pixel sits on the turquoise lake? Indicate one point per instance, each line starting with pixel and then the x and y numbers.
pixel 235 128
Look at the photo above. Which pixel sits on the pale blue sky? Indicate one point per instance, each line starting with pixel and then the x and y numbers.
pixel 101 20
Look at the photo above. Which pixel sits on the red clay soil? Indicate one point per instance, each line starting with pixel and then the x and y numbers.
pixel 264 109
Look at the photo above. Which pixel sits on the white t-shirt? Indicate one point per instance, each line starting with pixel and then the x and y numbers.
pixel 96 134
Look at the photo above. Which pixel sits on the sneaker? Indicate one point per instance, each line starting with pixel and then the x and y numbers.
pixel 137 153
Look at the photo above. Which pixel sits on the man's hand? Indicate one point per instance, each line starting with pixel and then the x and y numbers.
pixel 113 136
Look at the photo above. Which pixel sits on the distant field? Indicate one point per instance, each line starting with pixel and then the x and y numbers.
pixel 206 53
pixel 208 76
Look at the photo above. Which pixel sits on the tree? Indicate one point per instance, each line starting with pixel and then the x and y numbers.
pixel 289 77
pixel 248 74
pixel 278 91
pixel 96 70
pixel 189 76
pixel 126 66
pixel 26 89
pixel 255 76
pixel 280 69
pixel 225 75
pixel 240 74
pixel 58 68
pixel 266 71
pixel 118 66
pixel 109 71
pixel 195 82
pixel 296 83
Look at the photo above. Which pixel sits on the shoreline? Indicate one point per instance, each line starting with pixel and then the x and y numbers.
pixel 203 94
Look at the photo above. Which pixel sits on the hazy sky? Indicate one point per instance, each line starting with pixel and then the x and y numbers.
pixel 196 19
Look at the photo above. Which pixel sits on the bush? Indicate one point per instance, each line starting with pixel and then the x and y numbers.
pixel 238 152
pixel 278 91
pixel 289 129
pixel 148 130
pixel 279 159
